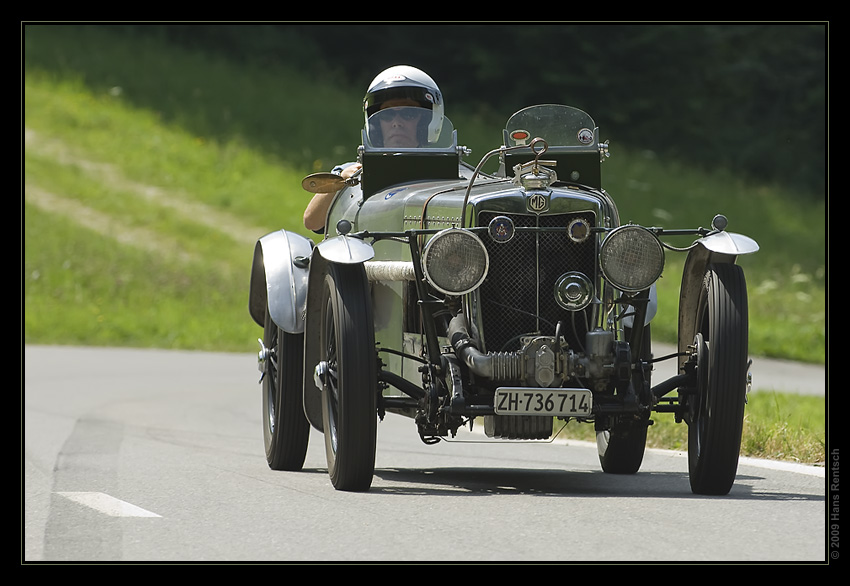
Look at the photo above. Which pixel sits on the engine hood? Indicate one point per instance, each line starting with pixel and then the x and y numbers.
pixel 439 205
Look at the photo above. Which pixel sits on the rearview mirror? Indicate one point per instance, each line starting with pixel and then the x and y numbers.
pixel 323 183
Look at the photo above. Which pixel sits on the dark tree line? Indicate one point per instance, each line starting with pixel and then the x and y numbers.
pixel 748 97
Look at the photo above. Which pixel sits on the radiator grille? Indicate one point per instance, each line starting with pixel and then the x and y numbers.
pixel 517 297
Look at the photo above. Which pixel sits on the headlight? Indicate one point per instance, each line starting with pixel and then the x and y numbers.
pixel 455 261
pixel 632 258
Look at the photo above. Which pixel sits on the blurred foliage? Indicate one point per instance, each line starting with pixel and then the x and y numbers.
pixel 750 98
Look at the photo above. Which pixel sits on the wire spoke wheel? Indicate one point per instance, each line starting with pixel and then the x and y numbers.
pixel 622 445
pixel 286 430
pixel 349 402
pixel 716 411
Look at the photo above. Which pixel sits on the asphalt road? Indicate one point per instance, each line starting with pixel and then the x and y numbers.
pixel 156 456
pixel 768 374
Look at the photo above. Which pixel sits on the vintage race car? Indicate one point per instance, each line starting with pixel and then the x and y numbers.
pixel 514 299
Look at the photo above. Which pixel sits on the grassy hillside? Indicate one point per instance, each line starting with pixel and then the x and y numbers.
pixel 149 173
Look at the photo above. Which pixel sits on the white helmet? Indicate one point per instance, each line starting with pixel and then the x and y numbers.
pixel 403 81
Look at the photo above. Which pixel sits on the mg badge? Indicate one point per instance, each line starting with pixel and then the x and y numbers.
pixel 537 203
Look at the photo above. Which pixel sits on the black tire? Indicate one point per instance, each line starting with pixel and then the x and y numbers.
pixel 716 413
pixel 286 430
pixel 621 448
pixel 349 402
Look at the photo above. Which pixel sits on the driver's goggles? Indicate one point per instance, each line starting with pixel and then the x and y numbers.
pixel 407 113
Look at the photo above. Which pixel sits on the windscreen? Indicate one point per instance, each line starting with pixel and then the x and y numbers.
pixel 557 125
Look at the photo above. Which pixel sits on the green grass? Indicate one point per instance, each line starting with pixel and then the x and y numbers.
pixel 777 426
pixel 146 187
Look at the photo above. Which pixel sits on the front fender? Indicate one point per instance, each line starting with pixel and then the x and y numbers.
pixel 279 276
pixel 720 247
pixel 345 250
pixel 729 243
pixel 339 249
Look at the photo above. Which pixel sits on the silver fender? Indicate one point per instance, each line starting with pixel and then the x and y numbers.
pixel 716 248
pixel 341 250
pixel 729 243
pixel 279 279
pixel 345 250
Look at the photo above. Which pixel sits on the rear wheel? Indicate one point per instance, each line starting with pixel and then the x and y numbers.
pixel 349 374
pixel 285 427
pixel 716 410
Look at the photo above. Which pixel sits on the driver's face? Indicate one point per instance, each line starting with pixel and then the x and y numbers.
pixel 399 124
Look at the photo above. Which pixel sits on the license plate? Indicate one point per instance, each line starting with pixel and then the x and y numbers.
pixel 533 401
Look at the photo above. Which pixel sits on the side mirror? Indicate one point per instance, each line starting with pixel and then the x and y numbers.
pixel 323 183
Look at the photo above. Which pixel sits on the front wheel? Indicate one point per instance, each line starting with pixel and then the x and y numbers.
pixel 286 430
pixel 348 366
pixel 621 446
pixel 716 410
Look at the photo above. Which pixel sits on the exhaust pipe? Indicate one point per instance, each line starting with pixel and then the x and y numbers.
pixel 502 366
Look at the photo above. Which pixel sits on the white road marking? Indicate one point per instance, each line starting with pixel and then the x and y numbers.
pixel 107 504
pixel 787 466
pixel 807 469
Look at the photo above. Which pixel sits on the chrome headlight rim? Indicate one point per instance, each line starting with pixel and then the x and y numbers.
pixel 631 258
pixel 436 246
